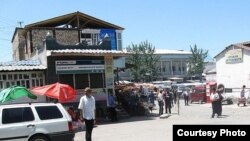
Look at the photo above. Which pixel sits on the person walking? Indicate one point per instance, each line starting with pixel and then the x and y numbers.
pixel 87 112
pixel 220 90
pixel 243 91
pixel 167 98
pixel 151 100
pixel 216 99
pixel 111 107
pixel 160 102
pixel 133 101
pixel 186 96
pixel 242 98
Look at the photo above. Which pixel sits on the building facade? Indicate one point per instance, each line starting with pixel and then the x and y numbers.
pixel 75 49
pixel 173 65
pixel 232 66
pixel 69 29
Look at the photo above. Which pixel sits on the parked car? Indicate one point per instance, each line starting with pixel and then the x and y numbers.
pixel 35 122
pixel 227 99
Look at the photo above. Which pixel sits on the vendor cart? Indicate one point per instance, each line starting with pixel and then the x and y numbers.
pixel 242 100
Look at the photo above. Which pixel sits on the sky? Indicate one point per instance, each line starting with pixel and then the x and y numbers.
pixel 167 24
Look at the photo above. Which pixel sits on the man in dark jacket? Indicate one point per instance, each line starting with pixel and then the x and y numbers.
pixel 167 98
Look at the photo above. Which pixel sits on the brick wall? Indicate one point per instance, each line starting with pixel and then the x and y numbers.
pixel 67 36
pixel 15 44
pixel 37 35
pixel 18 45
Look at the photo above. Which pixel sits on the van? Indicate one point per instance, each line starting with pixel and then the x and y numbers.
pixel 35 122
pixel 198 94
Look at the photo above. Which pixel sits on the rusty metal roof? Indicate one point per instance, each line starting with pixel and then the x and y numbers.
pixel 21 65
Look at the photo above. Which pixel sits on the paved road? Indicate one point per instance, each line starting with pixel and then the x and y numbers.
pixel 153 128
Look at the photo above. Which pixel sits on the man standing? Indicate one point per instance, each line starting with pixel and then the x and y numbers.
pixel 167 99
pixel 87 112
pixel 214 97
pixel 186 96
pixel 111 106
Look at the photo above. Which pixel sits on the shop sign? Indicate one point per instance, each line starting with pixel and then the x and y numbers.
pixel 234 56
pixel 79 66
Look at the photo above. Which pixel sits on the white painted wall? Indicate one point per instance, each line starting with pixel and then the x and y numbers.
pixel 233 75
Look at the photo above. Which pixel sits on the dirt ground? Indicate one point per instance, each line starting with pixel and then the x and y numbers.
pixel 154 128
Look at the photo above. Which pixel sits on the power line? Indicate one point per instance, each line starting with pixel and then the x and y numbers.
pixel 7 19
pixel 3 27
pixel 5 39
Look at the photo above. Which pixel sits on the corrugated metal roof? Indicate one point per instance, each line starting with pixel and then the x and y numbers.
pixel 244 45
pixel 86 51
pixel 21 65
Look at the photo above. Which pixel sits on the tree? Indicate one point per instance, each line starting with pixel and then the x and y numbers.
pixel 197 61
pixel 143 61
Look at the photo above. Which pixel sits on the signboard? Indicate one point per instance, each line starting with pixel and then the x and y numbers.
pixel 111 34
pixel 234 56
pixel 119 63
pixel 79 66
pixel 109 75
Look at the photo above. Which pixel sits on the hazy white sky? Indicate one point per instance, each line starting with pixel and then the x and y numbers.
pixel 167 24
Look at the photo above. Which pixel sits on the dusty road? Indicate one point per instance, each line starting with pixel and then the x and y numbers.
pixel 153 128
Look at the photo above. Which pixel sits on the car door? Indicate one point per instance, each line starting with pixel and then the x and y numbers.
pixel 16 124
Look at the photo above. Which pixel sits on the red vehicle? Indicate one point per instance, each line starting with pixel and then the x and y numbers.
pixel 198 94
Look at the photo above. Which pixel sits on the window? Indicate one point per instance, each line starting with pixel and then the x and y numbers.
pixel 96 80
pixel 4 77
pixel 119 40
pixel 41 82
pixel 33 75
pixel 81 81
pixel 66 79
pixel 91 36
pixel 48 112
pixel 15 115
pixel 20 76
pixel 7 84
pixel 27 84
pixel 15 76
pixel 26 76
pixel 173 68
pixel 163 69
pixel 1 85
pixel 9 76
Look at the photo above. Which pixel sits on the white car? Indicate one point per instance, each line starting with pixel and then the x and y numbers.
pixel 35 122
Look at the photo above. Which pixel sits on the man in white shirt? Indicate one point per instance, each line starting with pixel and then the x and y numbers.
pixel 87 112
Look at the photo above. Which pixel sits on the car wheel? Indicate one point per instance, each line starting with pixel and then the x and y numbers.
pixel 39 138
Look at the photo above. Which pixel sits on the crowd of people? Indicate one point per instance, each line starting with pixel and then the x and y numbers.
pixel 166 100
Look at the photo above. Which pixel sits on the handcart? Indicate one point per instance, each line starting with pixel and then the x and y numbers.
pixel 242 100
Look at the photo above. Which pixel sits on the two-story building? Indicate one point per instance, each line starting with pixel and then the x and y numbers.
pixel 76 49
pixel 173 64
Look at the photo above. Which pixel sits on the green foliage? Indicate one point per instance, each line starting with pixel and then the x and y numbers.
pixel 197 61
pixel 144 61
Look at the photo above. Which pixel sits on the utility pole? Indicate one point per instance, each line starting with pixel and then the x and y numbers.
pixel 20 23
